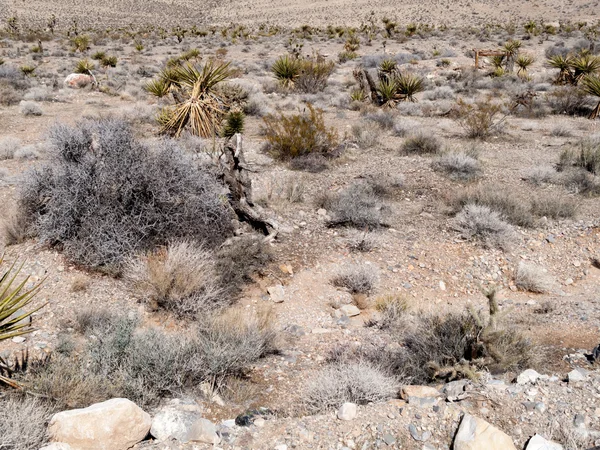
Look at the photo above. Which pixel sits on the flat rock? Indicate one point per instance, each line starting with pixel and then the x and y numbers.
pixel 537 442
pixel 115 424
pixel 476 434
pixel 454 389
pixel 175 420
pixel 528 376
pixel 57 446
pixel 419 392
pixel 277 293
pixel 203 430
pixel 577 375
pixel 348 411
pixel 350 310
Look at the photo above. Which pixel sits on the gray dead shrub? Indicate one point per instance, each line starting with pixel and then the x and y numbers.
pixel 29 108
pixel 458 166
pixel 358 206
pixel 540 175
pixel 477 222
pixel 8 146
pixel 23 423
pixel 358 382
pixel 358 279
pixel 533 278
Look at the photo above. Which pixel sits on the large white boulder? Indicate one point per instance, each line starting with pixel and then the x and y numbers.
pixel 115 424
pixel 476 434
pixel 78 81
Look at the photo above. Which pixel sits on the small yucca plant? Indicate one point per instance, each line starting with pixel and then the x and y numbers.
pixel 408 85
pixel 287 69
pixel 99 55
pixel 27 70
pixel 109 61
pixel 80 43
pixel 84 66
pixel 387 66
pixel 497 61
pixel 523 62
pixel 234 123
pixel 563 64
pixel 387 91
pixel 358 95
pixel 584 65
pixel 591 85
pixel 158 87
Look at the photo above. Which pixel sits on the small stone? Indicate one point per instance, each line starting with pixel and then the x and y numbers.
pixel 454 389
pixel 426 435
pixel 413 432
pixel 259 422
pixel 569 281
pixel 537 442
pixel 418 391
pixel 442 286
pixel 322 212
pixel 348 411
pixel 350 310
pixel 19 339
pixel 277 293
pixel 579 421
pixel 540 407
pixel 528 376
pixel 389 439
pixel 281 447
pixel 203 430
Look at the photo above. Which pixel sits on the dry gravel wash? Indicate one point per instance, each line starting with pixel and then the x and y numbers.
pixel 312 12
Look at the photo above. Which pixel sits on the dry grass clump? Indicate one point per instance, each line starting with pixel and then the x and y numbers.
pixel 365 135
pixel 358 382
pixel 477 222
pixel 181 278
pixel 587 156
pixel 540 175
pixel 103 196
pixel 458 165
pixel 8 146
pixel 30 108
pixel 289 137
pixel 23 422
pixel 553 206
pixel 421 144
pixel 530 277
pixel 358 279
pixel 392 310
pixel 357 206
pixel 13 227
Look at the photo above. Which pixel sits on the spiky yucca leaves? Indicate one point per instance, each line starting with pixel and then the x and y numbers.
pixel 387 91
pixel 591 85
pixel 286 69
pixel 197 103
pixel 234 123
pixel 497 61
pixel 13 298
pixel 583 65
pixel 386 68
pixel 407 85
pixel 109 61
pixel 84 66
pixel 563 64
pixel 523 62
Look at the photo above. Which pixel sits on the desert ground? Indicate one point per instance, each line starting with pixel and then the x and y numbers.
pixel 431 259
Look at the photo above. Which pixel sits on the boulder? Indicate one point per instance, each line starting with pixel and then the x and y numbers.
pixel 418 391
pixel 348 411
pixel 537 442
pixel 78 81
pixel 277 293
pixel 203 430
pixel 115 424
pixel 454 389
pixel 528 376
pixel 175 420
pixel 350 310
pixel 476 434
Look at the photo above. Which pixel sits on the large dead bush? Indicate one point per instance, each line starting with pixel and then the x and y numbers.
pixel 23 423
pixel 104 196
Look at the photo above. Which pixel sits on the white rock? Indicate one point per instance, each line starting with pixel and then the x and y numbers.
pixel 78 81
pixel 57 446
pixel 277 293
pixel 19 339
pixel 350 310
pixel 281 447
pixel 175 420
pixel 537 442
pixel 115 424
pixel 348 411
pixel 442 286
pixel 476 434
pixel 577 375
pixel 259 422
pixel 528 376
pixel 203 430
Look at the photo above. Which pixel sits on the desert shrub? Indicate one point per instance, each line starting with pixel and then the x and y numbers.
pixel 510 206
pixel 580 181
pixel 485 225
pixel 540 174
pixel 312 162
pixel 358 279
pixel 479 120
pixel 30 108
pixel 587 156
pixel 365 135
pixel 288 137
pixel 553 207
pixel 313 75
pixel 458 165
pixel 181 278
pixel 84 66
pixel 568 100
pixel 102 201
pixel 405 127
pixel 286 69
pixel 530 277
pixel 23 423
pixel 357 206
pixel 358 382
pixel 421 144
pixel 234 123
pixel 384 119
pixel 392 310
pixel 13 227
pixel 8 147
pixel 560 131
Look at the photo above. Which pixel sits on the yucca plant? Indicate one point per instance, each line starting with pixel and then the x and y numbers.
pixel 158 87
pixel 497 61
pixel 512 51
pixel 358 95
pixel 563 64
pixel 388 93
pixel 80 43
pixel 584 65
pixel 99 55
pixel 27 70
pixel 109 61
pixel 387 66
pixel 591 85
pixel 84 66
pixel 13 298
pixel 197 104
pixel 234 123
pixel 523 62
pixel 287 69
pixel 408 85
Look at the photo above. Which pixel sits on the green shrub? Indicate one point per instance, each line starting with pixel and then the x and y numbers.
pixel 479 120
pixel 288 137
pixel 313 75
pixel 80 43
pixel 286 69
pixel 234 123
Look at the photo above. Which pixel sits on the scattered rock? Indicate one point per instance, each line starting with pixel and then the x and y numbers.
pixel 117 424
pixel 577 375
pixel 57 446
pixel 537 442
pixel 281 447
pixel 277 293
pixel 454 389
pixel 19 339
pixel 348 411
pixel 418 391
pixel 246 419
pixel 350 310
pixel 175 420
pixel 78 81
pixel 203 430
pixel 476 434
pixel 528 376
pixel 389 439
